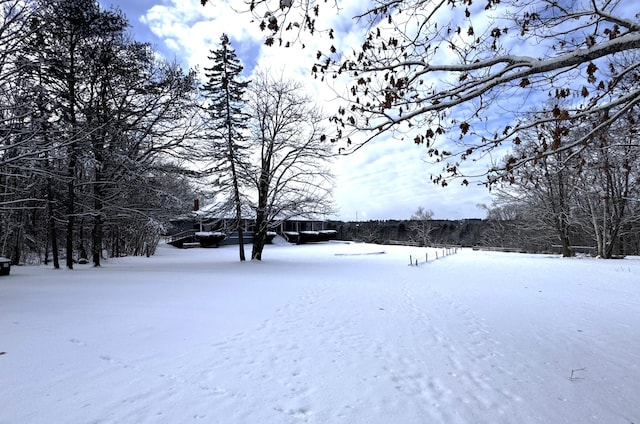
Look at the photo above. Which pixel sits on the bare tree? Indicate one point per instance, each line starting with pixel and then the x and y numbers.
pixel 420 226
pixel 19 148
pixel 578 193
pixel 500 224
pixel 430 70
pixel 139 112
pixel 65 36
pixel 291 178
pixel 514 223
pixel 549 185
pixel 607 189
pixel 369 232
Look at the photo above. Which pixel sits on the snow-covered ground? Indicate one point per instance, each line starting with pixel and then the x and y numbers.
pixel 326 333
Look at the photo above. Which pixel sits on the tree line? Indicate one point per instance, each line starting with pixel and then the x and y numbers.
pixel 504 229
pixel 579 195
pixel 90 123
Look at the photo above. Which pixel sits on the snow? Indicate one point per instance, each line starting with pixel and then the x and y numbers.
pixel 323 333
pixel 209 233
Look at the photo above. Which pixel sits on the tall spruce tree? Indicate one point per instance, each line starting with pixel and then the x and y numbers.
pixel 225 104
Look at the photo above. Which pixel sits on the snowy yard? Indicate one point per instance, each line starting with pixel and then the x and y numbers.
pixel 327 333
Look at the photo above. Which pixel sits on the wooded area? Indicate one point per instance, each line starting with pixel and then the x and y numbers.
pixel 91 125
pixel 508 232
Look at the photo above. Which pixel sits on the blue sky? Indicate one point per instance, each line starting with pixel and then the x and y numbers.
pixel 387 179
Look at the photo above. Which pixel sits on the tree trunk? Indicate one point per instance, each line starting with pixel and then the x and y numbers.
pixel 238 206
pixel 82 250
pixel 52 226
pixel 562 227
pixel 603 230
pixel 71 211
pixel 241 240
pixel 236 187
pixel 96 240
pixel 566 247
pixel 260 235
pixel 594 223
pixel 16 252
pixel 73 156
pixel 98 195
pixel 259 241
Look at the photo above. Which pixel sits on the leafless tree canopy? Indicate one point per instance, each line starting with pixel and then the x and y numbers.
pixel 463 78
pixel 290 171
pixel 420 226
pixel 580 196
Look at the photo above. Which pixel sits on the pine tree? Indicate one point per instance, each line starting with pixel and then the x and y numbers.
pixel 224 93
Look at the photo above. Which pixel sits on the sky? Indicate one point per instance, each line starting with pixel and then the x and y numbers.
pixel 387 179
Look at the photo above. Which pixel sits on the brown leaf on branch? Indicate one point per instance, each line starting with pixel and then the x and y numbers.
pixel 591 70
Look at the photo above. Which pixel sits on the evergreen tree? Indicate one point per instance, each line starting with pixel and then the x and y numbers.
pixel 224 93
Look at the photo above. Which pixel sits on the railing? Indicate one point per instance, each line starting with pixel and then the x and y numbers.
pixel 182 234
pixel 403 243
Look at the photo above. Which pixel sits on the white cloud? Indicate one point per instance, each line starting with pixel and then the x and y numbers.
pixel 388 179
